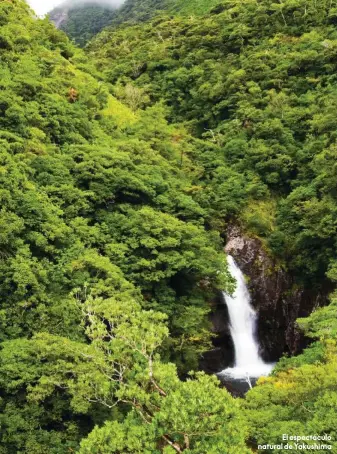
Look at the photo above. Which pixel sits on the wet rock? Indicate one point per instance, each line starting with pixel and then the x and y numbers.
pixel 278 301
pixel 275 296
pixel 222 356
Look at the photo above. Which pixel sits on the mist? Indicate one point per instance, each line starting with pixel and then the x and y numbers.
pixel 42 7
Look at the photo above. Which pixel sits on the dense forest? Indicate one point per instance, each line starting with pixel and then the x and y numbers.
pixel 81 22
pixel 121 166
pixel 269 109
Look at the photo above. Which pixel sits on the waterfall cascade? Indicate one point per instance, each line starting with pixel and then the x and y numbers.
pixel 248 362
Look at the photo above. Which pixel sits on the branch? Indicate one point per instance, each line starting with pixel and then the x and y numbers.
pixel 171 443
pixel 187 441
pixel 160 390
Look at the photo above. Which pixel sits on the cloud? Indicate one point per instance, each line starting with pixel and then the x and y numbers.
pixel 42 7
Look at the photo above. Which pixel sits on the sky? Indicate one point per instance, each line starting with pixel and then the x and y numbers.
pixel 44 6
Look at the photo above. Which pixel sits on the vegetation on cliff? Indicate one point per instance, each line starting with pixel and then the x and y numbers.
pixel 118 172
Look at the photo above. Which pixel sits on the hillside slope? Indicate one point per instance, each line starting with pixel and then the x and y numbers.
pixel 113 221
pixel 84 21
pixel 135 11
pixel 260 83
pixel 98 223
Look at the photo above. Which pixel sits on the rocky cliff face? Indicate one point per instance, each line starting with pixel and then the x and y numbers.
pixel 59 17
pixel 276 299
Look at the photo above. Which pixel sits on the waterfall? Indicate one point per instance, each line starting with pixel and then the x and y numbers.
pixel 242 317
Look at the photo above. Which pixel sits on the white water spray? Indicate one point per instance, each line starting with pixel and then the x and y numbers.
pixel 248 362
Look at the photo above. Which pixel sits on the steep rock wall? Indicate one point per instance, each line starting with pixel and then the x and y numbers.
pixel 276 299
